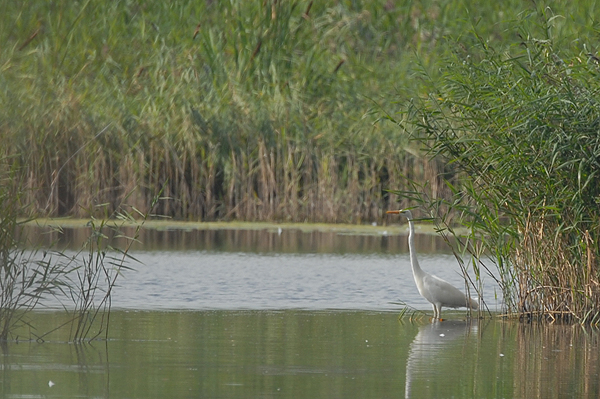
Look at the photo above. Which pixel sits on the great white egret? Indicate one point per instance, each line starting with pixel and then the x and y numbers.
pixel 434 289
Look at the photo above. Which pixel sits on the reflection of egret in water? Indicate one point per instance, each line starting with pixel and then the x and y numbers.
pixel 426 361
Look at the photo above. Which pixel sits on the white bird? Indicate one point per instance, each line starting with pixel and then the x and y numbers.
pixel 434 289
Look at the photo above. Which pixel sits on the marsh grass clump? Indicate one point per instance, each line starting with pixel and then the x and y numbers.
pixel 83 282
pixel 521 126
pixel 92 272
pixel 26 277
pixel 94 275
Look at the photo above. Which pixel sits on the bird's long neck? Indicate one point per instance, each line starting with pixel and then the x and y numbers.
pixel 417 271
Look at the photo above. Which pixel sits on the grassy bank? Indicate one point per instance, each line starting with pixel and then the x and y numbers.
pixel 240 110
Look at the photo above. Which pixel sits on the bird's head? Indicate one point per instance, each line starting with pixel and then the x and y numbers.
pixel 404 212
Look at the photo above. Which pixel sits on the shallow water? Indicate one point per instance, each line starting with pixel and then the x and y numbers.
pixel 267 269
pixel 203 280
pixel 304 354
pixel 212 321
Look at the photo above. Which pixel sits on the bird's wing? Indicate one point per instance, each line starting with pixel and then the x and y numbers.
pixel 441 291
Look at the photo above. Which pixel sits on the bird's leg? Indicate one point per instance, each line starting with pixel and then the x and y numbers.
pixel 438 312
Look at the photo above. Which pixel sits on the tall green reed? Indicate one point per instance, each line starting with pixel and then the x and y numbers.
pixel 520 125
pixel 249 110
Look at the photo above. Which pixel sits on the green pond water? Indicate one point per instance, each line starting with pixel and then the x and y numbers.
pixel 304 354
pixel 292 314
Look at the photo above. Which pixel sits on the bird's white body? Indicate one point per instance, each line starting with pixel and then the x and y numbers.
pixel 434 289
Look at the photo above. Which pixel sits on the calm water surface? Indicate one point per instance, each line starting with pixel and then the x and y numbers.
pixel 209 280
pixel 206 322
pixel 305 354
pixel 267 269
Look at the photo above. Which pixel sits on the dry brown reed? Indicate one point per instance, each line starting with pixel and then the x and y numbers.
pixel 287 182
pixel 551 282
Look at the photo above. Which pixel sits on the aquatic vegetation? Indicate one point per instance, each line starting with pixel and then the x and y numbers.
pixel 25 277
pixel 520 125
pixel 95 270
pixel 240 110
pixel 82 282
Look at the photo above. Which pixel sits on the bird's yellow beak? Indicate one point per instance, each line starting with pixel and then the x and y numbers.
pixel 397 212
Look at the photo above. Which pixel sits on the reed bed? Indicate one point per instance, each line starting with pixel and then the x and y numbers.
pixel 520 125
pixel 239 110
